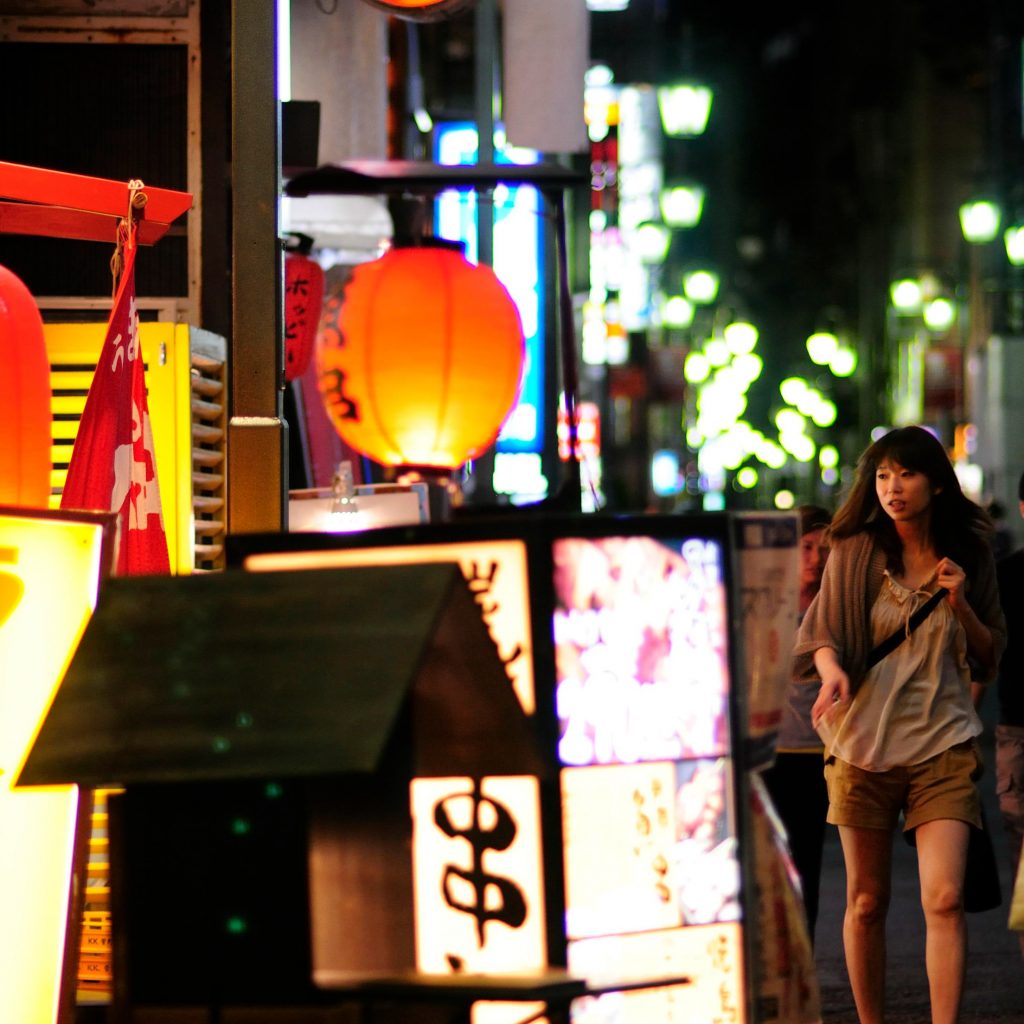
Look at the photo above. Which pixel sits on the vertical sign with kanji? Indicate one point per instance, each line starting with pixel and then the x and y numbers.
pixel 478 878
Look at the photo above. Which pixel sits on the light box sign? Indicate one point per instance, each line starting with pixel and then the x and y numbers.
pixel 710 957
pixel 641 659
pixel 494 570
pixel 518 262
pixel 49 574
pixel 767 545
pixel 478 877
pixel 648 847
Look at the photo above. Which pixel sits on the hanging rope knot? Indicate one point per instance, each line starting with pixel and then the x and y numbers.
pixel 137 199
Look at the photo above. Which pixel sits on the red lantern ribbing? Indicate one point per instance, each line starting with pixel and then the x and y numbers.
pixel 420 358
pixel 24 398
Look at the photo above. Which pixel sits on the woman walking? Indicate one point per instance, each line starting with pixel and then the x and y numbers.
pixel 900 728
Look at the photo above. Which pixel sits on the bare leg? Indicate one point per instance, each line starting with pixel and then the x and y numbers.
pixel 868 856
pixel 942 857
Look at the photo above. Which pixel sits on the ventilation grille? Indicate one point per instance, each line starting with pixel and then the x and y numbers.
pixel 209 430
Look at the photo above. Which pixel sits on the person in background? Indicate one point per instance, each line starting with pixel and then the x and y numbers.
pixel 795 781
pixel 901 735
pixel 1010 691
pixel 1002 537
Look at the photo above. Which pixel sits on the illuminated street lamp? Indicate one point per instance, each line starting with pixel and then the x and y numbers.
pixel 740 336
pixel 696 368
pixel 682 205
pixel 677 311
pixel 1013 239
pixel 822 347
pixel 684 108
pixel 979 221
pixel 844 362
pixel 701 286
pixel 652 241
pixel 939 315
pixel 793 389
pixel 906 296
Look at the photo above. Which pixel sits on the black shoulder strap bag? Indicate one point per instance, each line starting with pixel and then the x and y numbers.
pixel 894 639
pixel 982 890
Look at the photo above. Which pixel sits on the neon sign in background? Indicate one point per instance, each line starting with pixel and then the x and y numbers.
pixel 517 260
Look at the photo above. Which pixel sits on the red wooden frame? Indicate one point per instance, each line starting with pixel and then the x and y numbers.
pixel 64 205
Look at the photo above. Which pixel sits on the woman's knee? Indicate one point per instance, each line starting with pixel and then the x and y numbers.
pixel 868 906
pixel 943 900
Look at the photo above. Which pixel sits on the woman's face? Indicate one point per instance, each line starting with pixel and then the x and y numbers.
pixel 904 494
pixel 813 552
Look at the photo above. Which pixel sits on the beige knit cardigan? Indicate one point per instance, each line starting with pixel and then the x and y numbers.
pixel 840 614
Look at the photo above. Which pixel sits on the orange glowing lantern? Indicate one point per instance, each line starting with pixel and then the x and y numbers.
pixel 24 398
pixel 420 358
pixel 422 10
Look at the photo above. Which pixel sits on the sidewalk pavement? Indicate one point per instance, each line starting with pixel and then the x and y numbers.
pixel 994 991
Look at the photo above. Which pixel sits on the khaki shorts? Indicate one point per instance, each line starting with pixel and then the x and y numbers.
pixel 941 787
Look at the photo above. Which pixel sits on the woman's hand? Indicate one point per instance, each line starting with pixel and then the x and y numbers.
pixel 980 645
pixel 835 683
pixel 952 578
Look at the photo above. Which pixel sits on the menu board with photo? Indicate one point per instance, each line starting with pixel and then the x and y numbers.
pixel 651 846
pixel 640 634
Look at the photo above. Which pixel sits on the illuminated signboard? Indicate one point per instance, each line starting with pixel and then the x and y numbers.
pixel 651 848
pixel 640 649
pixel 517 260
pixel 481 840
pixel 710 955
pixel 494 570
pixel 648 846
pixel 49 573
pixel 634 688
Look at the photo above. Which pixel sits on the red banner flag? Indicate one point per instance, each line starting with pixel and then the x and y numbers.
pixel 112 464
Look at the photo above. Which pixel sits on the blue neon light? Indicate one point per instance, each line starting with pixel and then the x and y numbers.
pixel 518 260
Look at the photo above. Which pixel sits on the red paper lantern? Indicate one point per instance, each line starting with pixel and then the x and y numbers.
pixel 420 358
pixel 422 10
pixel 24 398
pixel 303 303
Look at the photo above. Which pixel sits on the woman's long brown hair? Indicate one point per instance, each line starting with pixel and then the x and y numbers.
pixel 958 526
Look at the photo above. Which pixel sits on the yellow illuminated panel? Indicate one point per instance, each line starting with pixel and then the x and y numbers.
pixel 48 578
pixel 495 571
pixel 73 350
pixel 618 830
pixel 648 847
pixel 709 956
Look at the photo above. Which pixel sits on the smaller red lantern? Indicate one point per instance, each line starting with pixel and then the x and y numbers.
pixel 25 424
pixel 303 303
pixel 420 358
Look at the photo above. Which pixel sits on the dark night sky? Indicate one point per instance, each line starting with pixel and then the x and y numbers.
pixel 806 145
pixel 809 147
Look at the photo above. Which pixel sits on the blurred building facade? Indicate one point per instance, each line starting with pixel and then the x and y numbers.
pixel 840 145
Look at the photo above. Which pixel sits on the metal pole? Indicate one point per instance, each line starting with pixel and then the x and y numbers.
pixel 567 337
pixel 257 447
pixel 485 33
